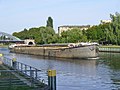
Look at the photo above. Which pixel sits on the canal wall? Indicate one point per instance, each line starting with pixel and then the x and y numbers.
pixel 109 49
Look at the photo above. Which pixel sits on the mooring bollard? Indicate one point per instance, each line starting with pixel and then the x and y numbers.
pixel 14 63
pixel 1 55
pixel 52 79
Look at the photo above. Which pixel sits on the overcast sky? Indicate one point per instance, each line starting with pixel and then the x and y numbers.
pixel 15 15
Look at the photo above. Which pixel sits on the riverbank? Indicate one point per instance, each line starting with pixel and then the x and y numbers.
pixel 110 48
pixel 1 45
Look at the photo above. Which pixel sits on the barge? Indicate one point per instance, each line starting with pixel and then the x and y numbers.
pixel 81 50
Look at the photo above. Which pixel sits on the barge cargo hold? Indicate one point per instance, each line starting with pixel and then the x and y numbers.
pixel 86 51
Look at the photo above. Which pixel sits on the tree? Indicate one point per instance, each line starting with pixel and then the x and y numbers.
pixel 49 22
pixel 114 28
pixel 72 36
pixel 107 32
pixel 42 35
pixel 98 33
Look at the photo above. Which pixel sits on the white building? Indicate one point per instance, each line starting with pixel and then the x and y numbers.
pixel 67 27
pixel 105 21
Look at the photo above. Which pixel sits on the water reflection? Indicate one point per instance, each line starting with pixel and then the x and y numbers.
pixel 113 61
pixel 82 67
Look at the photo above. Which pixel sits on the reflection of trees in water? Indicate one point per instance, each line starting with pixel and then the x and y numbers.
pixel 115 77
pixel 109 55
pixel 113 61
pixel 116 83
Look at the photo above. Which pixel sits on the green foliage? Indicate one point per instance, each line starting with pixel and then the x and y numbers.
pixel 113 31
pixel 97 33
pixel 72 36
pixel 49 22
pixel 42 35
pixel 107 32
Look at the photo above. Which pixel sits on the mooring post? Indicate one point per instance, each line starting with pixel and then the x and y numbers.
pixel 1 55
pixel 52 79
pixel 14 63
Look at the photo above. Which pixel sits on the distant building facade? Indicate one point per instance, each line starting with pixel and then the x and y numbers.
pixel 105 21
pixel 67 27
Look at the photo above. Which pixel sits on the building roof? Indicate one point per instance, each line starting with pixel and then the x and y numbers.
pixel 75 26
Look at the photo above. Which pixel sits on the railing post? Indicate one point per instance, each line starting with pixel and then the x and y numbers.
pixel 31 76
pixel 36 74
pixel 14 63
pixel 52 79
pixel 25 69
pixel 18 65
pixel 21 67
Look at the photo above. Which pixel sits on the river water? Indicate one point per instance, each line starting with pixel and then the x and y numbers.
pixel 78 74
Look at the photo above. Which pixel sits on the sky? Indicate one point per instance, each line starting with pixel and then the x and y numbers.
pixel 15 15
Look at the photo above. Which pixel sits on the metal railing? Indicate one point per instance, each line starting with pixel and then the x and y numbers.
pixel 34 75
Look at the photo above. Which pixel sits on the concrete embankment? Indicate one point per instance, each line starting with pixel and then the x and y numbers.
pixel 115 49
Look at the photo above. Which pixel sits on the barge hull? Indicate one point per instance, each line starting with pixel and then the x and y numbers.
pixel 76 52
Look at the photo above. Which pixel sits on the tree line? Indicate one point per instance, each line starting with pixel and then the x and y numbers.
pixel 108 33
